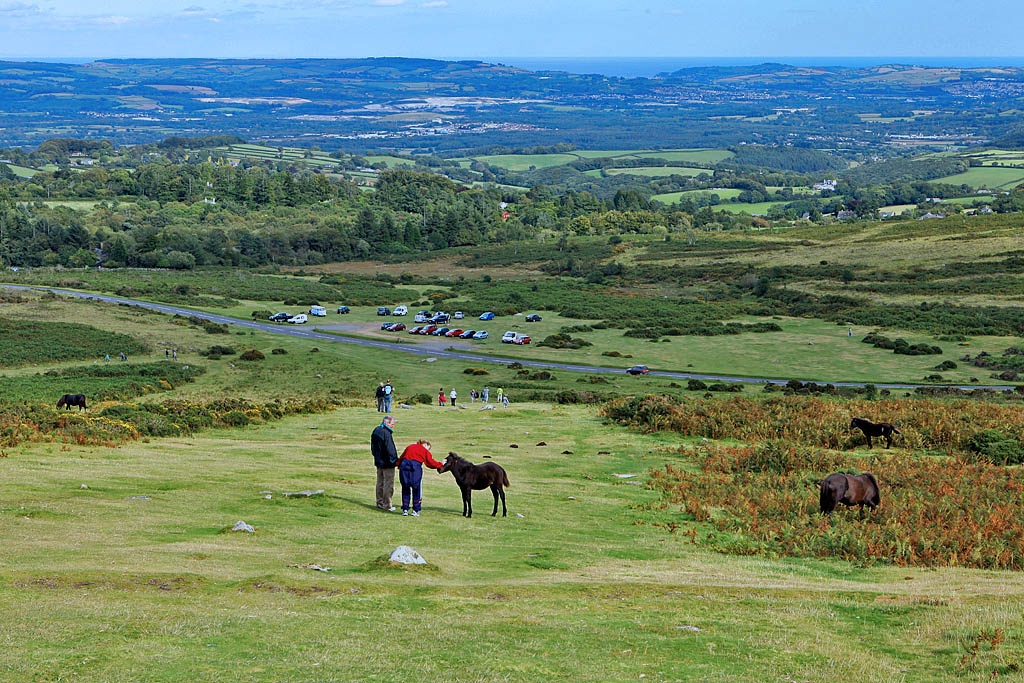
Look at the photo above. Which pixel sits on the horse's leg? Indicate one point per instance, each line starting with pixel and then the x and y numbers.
pixel 504 512
pixel 494 492
pixel 465 501
pixel 888 439
pixel 869 439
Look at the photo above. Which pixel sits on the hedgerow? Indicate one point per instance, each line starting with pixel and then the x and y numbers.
pixel 26 342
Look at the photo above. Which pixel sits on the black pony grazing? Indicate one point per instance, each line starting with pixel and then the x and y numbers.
pixel 870 429
pixel 849 489
pixel 472 477
pixel 68 400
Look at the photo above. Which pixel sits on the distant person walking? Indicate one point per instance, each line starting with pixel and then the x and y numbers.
pixel 851 331
pixel 174 354
pixel 454 396
pixel 441 397
pixel 472 395
pixel 504 401
pixel 167 354
pixel 388 392
pixel 410 474
pixel 487 393
pixel 124 358
pixel 385 458
pixel 106 358
pixel 380 397
pixel 501 392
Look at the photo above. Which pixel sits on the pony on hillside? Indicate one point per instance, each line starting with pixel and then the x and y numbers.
pixel 876 429
pixel 472 477
pixel 68 400
pixel 849 490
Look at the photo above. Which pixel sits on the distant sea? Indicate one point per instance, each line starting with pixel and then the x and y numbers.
pixel 633 67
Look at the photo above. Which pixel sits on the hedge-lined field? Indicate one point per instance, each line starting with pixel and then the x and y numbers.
pixel 26 342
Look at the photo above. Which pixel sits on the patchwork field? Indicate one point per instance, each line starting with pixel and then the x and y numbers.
pixel 988 177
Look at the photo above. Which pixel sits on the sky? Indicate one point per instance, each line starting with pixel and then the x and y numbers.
pixel 467 29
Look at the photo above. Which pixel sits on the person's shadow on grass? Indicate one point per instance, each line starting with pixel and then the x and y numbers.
pixel 370 506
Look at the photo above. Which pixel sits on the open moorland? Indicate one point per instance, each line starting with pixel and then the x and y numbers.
pixel 657 528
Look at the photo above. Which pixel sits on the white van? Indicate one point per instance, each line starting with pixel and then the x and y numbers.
pixel 508 337
pixel 401 310
pixel 298 319
pixel 318 311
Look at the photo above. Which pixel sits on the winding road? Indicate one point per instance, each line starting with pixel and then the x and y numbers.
pixel 310 333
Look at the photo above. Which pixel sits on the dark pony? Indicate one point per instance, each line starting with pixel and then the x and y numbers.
pixel 68 400
pixel 472 477
pixel 849 489
pixel 870 429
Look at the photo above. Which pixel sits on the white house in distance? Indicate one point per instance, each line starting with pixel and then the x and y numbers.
pixel 826 185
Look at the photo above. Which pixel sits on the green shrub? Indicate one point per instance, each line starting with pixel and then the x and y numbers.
pixel 278 352
pixel 252 354
pixel 475 371
pixel 993 446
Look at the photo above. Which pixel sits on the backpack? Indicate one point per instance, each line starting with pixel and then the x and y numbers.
pixel 387 389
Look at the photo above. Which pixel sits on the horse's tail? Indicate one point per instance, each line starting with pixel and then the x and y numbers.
pixel 825 499
pixel 504 479
pixel 894 430
pixel 877 498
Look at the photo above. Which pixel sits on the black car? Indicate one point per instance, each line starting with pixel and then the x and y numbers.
pixel 386 326
pixel 467 334
pixel 441 331
pixel 639 370
pixel 533 318
pixel 342 310
pixel 279 317
pixel 383 310
pixel 440 318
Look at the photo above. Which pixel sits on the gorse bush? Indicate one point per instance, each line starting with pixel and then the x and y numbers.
pixel 943 426
pixel 763 500
pixel 117 381
pixel 26 342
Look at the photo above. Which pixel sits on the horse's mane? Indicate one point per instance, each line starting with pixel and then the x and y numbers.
pixel 458 458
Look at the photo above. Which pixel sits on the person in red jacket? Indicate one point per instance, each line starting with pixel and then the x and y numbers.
pixel 410 473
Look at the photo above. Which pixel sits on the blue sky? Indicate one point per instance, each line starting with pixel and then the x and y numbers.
pixel 478 28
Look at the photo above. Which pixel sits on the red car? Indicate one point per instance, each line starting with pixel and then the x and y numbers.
pixel 397 327
pixel 521 340
pixel 416 330
pixel 454 333
pixel 427 330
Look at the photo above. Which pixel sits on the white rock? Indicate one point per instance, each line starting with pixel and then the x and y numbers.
pixel 403 554
pixel 488 407
pixel 266 491
pixel 305 494
pixel 689 628
pixel 85 486
pixel 242 526
pixel 520 516
pixel 624 476
pixel 267 497
pixel 138 498
pixel 428 360
pixel 406 406
pixel 572 497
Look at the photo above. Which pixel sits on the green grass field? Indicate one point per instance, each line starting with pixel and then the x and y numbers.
pixel 673 197
pixel 660 171
pixel 591 576
pixel 987 176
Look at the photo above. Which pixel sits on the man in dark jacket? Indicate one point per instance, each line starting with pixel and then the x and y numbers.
pixel 380 398
pixel 385 457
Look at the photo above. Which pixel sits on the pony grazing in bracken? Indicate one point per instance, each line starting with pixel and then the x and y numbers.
pixel 849 490
pixel 68 400
pixel 876 429
pixel 472 477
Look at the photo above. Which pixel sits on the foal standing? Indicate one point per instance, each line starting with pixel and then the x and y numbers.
pixel 472 477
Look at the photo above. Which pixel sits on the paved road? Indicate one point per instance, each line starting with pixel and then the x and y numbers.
pixel 416 349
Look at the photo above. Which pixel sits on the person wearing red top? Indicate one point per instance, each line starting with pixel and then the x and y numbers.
pixel 410 473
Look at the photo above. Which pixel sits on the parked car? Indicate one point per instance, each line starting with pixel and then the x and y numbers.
pixel 423 316
pixel 481 334
pixel 298 319
pixel 468 334
pixel 639 370
pixel 416 330
pixel 453 333
pixel 427 329
pixel 533 318
pixel 383 310
pixel 521 339
pixel 342 310
pixel 440 331
pixel 279 317
pixel 487 316
pixel 459 315
pixel 440 317
pixel 318 311
pixel 386 326
pixel 508 337
pixel 401 310
pixel 397 327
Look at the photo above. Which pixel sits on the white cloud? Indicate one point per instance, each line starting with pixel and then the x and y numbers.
pixel 435 3
pixel 387 3
pixel 113 19
pixel 18 8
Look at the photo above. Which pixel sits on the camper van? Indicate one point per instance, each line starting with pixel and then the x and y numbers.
pixel 299 319
pixel 319 311
pixel 401 310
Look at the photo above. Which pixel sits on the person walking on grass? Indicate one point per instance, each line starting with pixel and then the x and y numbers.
pixel 441 399
pixel 501 391
pixel 385 458
pixel 380 397
pixel 410 474
pixel 388 393
pixel 504 401
pixel 487 395
pixel 174 354
pixel 453 396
